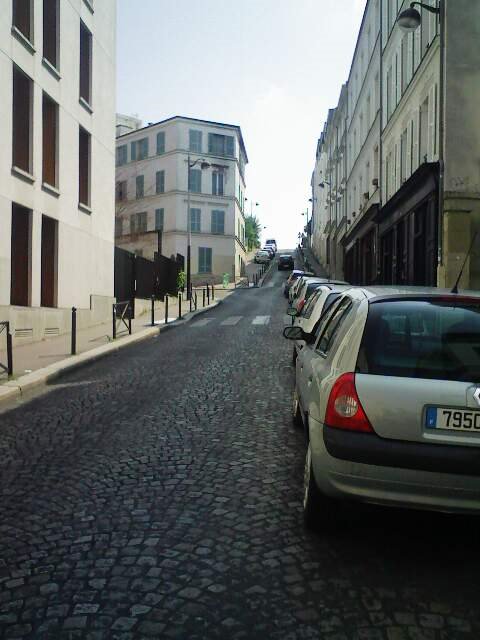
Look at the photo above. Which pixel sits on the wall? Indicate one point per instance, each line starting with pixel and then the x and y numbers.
pixel 85 239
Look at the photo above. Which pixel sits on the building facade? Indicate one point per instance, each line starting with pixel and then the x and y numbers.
pixel 152 193
pixel 57 120
pixel 413 144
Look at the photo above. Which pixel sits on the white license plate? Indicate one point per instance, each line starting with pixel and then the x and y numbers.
pixel 454 419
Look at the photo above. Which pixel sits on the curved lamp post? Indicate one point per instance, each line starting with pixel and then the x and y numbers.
pixel 410 19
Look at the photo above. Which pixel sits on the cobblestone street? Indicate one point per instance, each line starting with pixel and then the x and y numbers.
pixel 157 494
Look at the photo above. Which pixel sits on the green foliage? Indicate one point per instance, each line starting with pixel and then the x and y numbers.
pixel 252 232
pixel 181 280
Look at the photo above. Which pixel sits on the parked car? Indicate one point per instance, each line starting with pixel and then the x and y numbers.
pixel 318 304
pixel 387 390
pixel 262 257
pixel 286 261
pixel 296 273
pixel 270 251
pixel 273 244
pixel 305 290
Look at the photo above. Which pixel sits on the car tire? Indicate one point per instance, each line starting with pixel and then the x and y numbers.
pixel 320 512
pixel 296 411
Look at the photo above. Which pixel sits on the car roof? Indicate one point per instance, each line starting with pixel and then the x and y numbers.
pixel 285 255
pixel 394 292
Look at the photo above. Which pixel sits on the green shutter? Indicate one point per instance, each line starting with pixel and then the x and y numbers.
pixel 133 151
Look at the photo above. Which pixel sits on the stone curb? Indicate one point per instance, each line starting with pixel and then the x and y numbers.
pixel 14 388
pixel 267 273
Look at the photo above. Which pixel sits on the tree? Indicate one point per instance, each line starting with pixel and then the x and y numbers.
pixel 253 229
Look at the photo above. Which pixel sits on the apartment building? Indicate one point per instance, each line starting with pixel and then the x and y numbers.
pixel 57 122
pixel 154 184
pixel 413 142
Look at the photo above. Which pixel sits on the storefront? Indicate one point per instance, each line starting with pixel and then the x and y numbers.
pixel 407 231
pixel 360 263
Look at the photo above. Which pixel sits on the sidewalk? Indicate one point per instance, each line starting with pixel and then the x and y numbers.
pixel 310 263
pixel 37 355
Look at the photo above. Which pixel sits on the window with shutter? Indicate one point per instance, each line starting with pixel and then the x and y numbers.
pixel 160 181
pixel 217 183
pixel 121 155
pixel 218 221
pixel 159 219
pixel 195 141
pixel 160 142
pixel 195 180
pixel 204 260
pixel 139 184
pixel 195 220
pixel 133 151
pixel 142 151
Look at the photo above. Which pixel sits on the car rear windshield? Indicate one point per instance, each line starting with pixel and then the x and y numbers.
pixel 436 339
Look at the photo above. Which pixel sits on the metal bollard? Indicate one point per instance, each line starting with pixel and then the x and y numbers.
pixel 153 311
pixel 213 292
pixel 179 306
pixel 9 352
pixel 114 324
pixel 73 349
pixel 166 308
pixel 190 301
pixel 196 301
pixel 208 295
pixel 203 297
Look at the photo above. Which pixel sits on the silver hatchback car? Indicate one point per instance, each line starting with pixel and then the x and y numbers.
pixel 388 390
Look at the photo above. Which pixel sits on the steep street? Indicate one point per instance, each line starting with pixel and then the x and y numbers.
pixel 157 494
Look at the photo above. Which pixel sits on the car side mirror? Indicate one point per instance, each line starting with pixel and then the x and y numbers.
pixel 291 311
pixel 294 333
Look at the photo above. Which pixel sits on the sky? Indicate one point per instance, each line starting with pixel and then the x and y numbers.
pixel 274 67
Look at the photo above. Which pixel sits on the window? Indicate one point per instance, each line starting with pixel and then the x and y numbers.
pixel 218 221
pixel 121 190
pixel 159 219
pixel 160 143
pixel 405 78
pixel 139 187
pixel 195 220
pixel 195 140
pixel 23 18
pixel 195 180
pixel 138 222
pixel 424 132
pixel 429 339
pixel 50 31
pixel 160 182
pixel 332 326
pixel 139 149
pixel 403 157
pixel 22 120
pixel 49 141
pixel 85 64
pixel 221 145
pixel 204 260
pixel 121 155
pixel 118 227
pixel 389 92
pixel 217 183
pixel 84 163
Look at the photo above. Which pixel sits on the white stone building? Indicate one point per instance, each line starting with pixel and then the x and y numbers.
pixel 413 178
pixel 57 126
pixel 152 194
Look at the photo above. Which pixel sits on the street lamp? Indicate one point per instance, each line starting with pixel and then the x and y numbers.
pixel 203 165
pixel 410 19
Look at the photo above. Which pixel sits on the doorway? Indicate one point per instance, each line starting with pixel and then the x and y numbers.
pixel 20 256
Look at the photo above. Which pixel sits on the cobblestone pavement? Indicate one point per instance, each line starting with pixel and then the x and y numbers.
pixel 156 494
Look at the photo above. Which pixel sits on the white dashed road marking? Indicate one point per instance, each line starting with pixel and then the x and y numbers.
pixel 232 320
pixel 202 322
pixel 261 320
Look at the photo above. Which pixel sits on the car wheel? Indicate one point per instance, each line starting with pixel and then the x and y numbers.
pixel 296 411
pixel 319 511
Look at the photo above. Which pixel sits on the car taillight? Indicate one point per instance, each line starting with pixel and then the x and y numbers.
pixel 300 305
pixel 344 409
